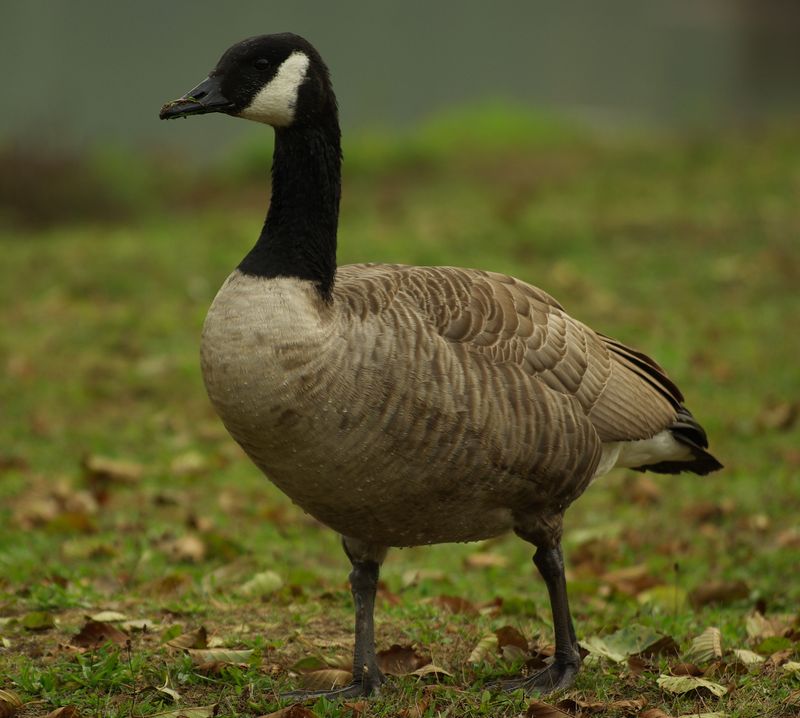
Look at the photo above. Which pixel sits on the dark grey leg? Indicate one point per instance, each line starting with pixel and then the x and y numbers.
pixel 367 677
pixel 566 663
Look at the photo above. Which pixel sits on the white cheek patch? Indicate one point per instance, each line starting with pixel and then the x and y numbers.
pixel 275 102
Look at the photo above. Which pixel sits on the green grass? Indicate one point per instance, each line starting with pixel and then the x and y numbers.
pixel 686 248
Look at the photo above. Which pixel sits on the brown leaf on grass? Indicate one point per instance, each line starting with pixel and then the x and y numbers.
pixel 718 592
pixel 220 655
pixel 777 659
pixel 643 491
pixel 192 639
pixel 326 679
pixel 456 604
pixel 747 658
pixel 198 712
pixel 664 646
pixel 779 416
pixel 631 580
pixel 58 506
pixel 65 712
pixel 538 709
pixel 708 511
pixel 105 469
pixel 685 669
pixel 401 660
pixel 431 670
pixel 638 665
pixel 191 463
pixel 706 647
pixel 487 644
pixel 510 636
pixel 759 626
pixel 98 633
pixel 573 705
pixel 10 703
pixel 654 713
pixel 629 705
pixel 484 559
pixel 579 706
pixel 357 708
pixel 189 548
pixel 417 710
pixel 297 710
pixel 687 684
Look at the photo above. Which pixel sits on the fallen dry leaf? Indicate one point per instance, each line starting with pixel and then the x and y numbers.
pixel 748 658
pixel 105 469
pixel 456 604
pixel 510 636
pixel 664 646
pixel 168 691
pixel 192 463
pixel 780 416
pixel 64 712
pixel 574 705
pixel 189 548
pixel 685 684
pixel 97 633
pixel 685 669
pixel 654 713
pixel 197 712
pixel 261 584
pixel 629 704
pixel 706 647
pixel 193 639
pixel 628 641
pixel 400 660
pixel 431 670
pixel 488 644
pixel 778 658
pixel 417 710
pixel 297 710
pixel 791 667
pixel 219 655
pixel 326 679
pixel 538 709
pixel 10 703
pixel 759 626
pixel 631 580
pixel 108 616
pixel 721 592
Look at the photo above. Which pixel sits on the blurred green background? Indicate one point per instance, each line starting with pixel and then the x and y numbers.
pixel 640 160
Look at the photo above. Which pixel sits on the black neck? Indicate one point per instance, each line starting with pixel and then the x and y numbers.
pixel 299 234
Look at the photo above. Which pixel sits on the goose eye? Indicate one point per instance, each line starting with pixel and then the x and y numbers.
pixel 261 64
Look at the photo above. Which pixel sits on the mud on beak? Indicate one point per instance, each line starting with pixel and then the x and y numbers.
pixel 206 97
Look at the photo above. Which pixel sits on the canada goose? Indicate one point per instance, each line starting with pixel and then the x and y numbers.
pixel 405 405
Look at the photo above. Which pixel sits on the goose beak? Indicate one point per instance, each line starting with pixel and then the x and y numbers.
pixel 206 97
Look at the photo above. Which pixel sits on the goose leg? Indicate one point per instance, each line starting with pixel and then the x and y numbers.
pixel 367 677
pixel 566 663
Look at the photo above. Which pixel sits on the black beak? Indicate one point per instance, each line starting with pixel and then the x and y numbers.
pixel 206 97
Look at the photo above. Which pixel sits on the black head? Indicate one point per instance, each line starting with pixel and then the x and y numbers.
pixel 279 80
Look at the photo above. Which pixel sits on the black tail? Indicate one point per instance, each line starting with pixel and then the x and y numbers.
pixel 688 432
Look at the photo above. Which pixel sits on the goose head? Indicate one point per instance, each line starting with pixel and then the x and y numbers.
pixel 279 80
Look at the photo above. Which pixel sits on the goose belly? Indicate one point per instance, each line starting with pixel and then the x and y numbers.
pixel 320 425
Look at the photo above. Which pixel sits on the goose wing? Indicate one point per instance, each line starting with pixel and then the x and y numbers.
pixel 624 393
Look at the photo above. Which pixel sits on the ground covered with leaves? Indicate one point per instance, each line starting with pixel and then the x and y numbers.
pixel 146 568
